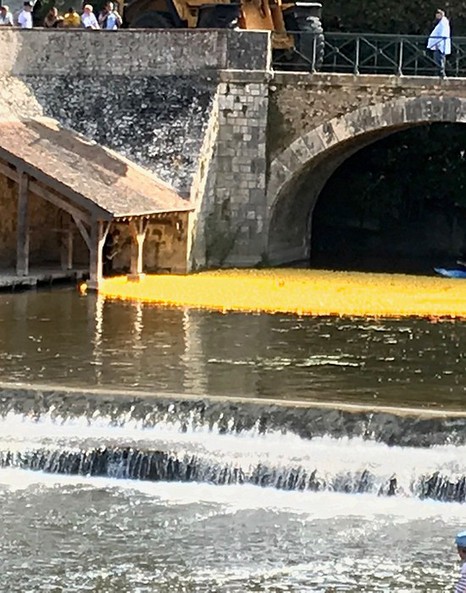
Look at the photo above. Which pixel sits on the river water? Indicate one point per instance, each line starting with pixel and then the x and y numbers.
pixel 115 477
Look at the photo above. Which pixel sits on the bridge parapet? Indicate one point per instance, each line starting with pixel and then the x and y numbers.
pixel 46 52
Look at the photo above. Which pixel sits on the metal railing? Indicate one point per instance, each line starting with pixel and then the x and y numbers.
pixel 357 53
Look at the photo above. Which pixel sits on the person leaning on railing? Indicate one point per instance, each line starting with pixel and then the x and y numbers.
pixel 53 20
pixel 440 41
pixel 109 18
pixel 88 18
pixel 25 16
pixel 6 18
pixel 71 20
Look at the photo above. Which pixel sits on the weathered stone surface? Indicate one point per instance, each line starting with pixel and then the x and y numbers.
pixel 158 122
pixel 130 52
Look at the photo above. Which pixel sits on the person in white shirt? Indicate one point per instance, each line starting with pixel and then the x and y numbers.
pixel 25 16
pixel 6 18
pixel 440 41
pixel 109 18
pixel 88 18
pixel 460 541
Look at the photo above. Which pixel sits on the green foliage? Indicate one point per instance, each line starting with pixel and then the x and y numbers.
pixel 406 182
pixel 391 16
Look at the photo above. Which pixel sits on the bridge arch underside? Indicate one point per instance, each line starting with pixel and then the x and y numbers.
pixel 295 185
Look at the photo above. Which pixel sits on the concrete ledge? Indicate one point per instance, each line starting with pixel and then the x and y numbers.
pixel 245 76
pixel 336 80
pixel 76 396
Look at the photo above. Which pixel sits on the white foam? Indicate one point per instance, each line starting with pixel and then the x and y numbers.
pixel 329 456
pixel 320 505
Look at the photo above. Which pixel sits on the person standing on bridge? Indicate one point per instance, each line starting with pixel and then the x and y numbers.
pixel 109 18
pixel 460 541
pixel 440 41
pixel 25 16
pixel 6 18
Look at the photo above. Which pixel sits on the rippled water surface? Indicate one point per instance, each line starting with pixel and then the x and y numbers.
pixel 267 506
pixel 59 337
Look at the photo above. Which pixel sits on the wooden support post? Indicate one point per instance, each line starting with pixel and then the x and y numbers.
pixel 99 230
pixel 66 245
pixel 69 249
pixel 22 226
pixel 138 232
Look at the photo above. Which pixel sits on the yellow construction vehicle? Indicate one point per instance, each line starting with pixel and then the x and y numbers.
pixel 296 26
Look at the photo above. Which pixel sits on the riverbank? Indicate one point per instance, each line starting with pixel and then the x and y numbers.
pixel 301 292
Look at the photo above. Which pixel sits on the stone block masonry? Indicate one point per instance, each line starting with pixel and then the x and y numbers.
pixel 235 221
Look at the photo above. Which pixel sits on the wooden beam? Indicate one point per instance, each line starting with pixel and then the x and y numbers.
pixel 99 231
pixel 96 211
pixel 10 173
pixel 43 193
pixel 84 234
pixel 59 202
pixel 22 227
pixel 138 232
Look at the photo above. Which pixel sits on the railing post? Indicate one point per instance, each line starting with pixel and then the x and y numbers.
pixel 314 51
pixel 356 58
pixel 400 59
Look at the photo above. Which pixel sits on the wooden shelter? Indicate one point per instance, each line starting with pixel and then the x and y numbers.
pixel 94 186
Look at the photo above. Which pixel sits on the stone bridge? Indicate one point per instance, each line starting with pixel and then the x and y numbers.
pixel 249 147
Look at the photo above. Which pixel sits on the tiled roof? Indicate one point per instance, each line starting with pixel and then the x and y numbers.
pixel 85 172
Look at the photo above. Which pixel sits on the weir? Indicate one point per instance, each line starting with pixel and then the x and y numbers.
pixel 126 436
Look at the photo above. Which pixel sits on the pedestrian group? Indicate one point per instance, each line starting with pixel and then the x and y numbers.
pixel 108 18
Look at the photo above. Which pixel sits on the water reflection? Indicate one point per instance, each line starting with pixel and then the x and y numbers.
pixel 60 337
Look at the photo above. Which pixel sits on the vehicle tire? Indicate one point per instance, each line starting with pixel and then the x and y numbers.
pixel 218 16
pixel 305 28
pixel 151 20
pixel 310 28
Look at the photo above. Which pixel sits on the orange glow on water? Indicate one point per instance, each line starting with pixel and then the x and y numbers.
pixel 302 292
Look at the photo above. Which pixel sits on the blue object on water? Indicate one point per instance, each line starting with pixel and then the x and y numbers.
pixel 451 273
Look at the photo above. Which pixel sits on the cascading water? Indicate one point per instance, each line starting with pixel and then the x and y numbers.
pixel 190 446
pixel 220 460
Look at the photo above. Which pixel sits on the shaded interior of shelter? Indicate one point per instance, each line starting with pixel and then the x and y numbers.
pixel 392 201
pixel 62 197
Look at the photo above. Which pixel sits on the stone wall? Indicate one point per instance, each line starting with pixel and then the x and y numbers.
pixel 299 103
pixel 132 53
pixel 236 209
pixel 250 148
pixel 156 121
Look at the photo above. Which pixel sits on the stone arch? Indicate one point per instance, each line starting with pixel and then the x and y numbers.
pixel 315 156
